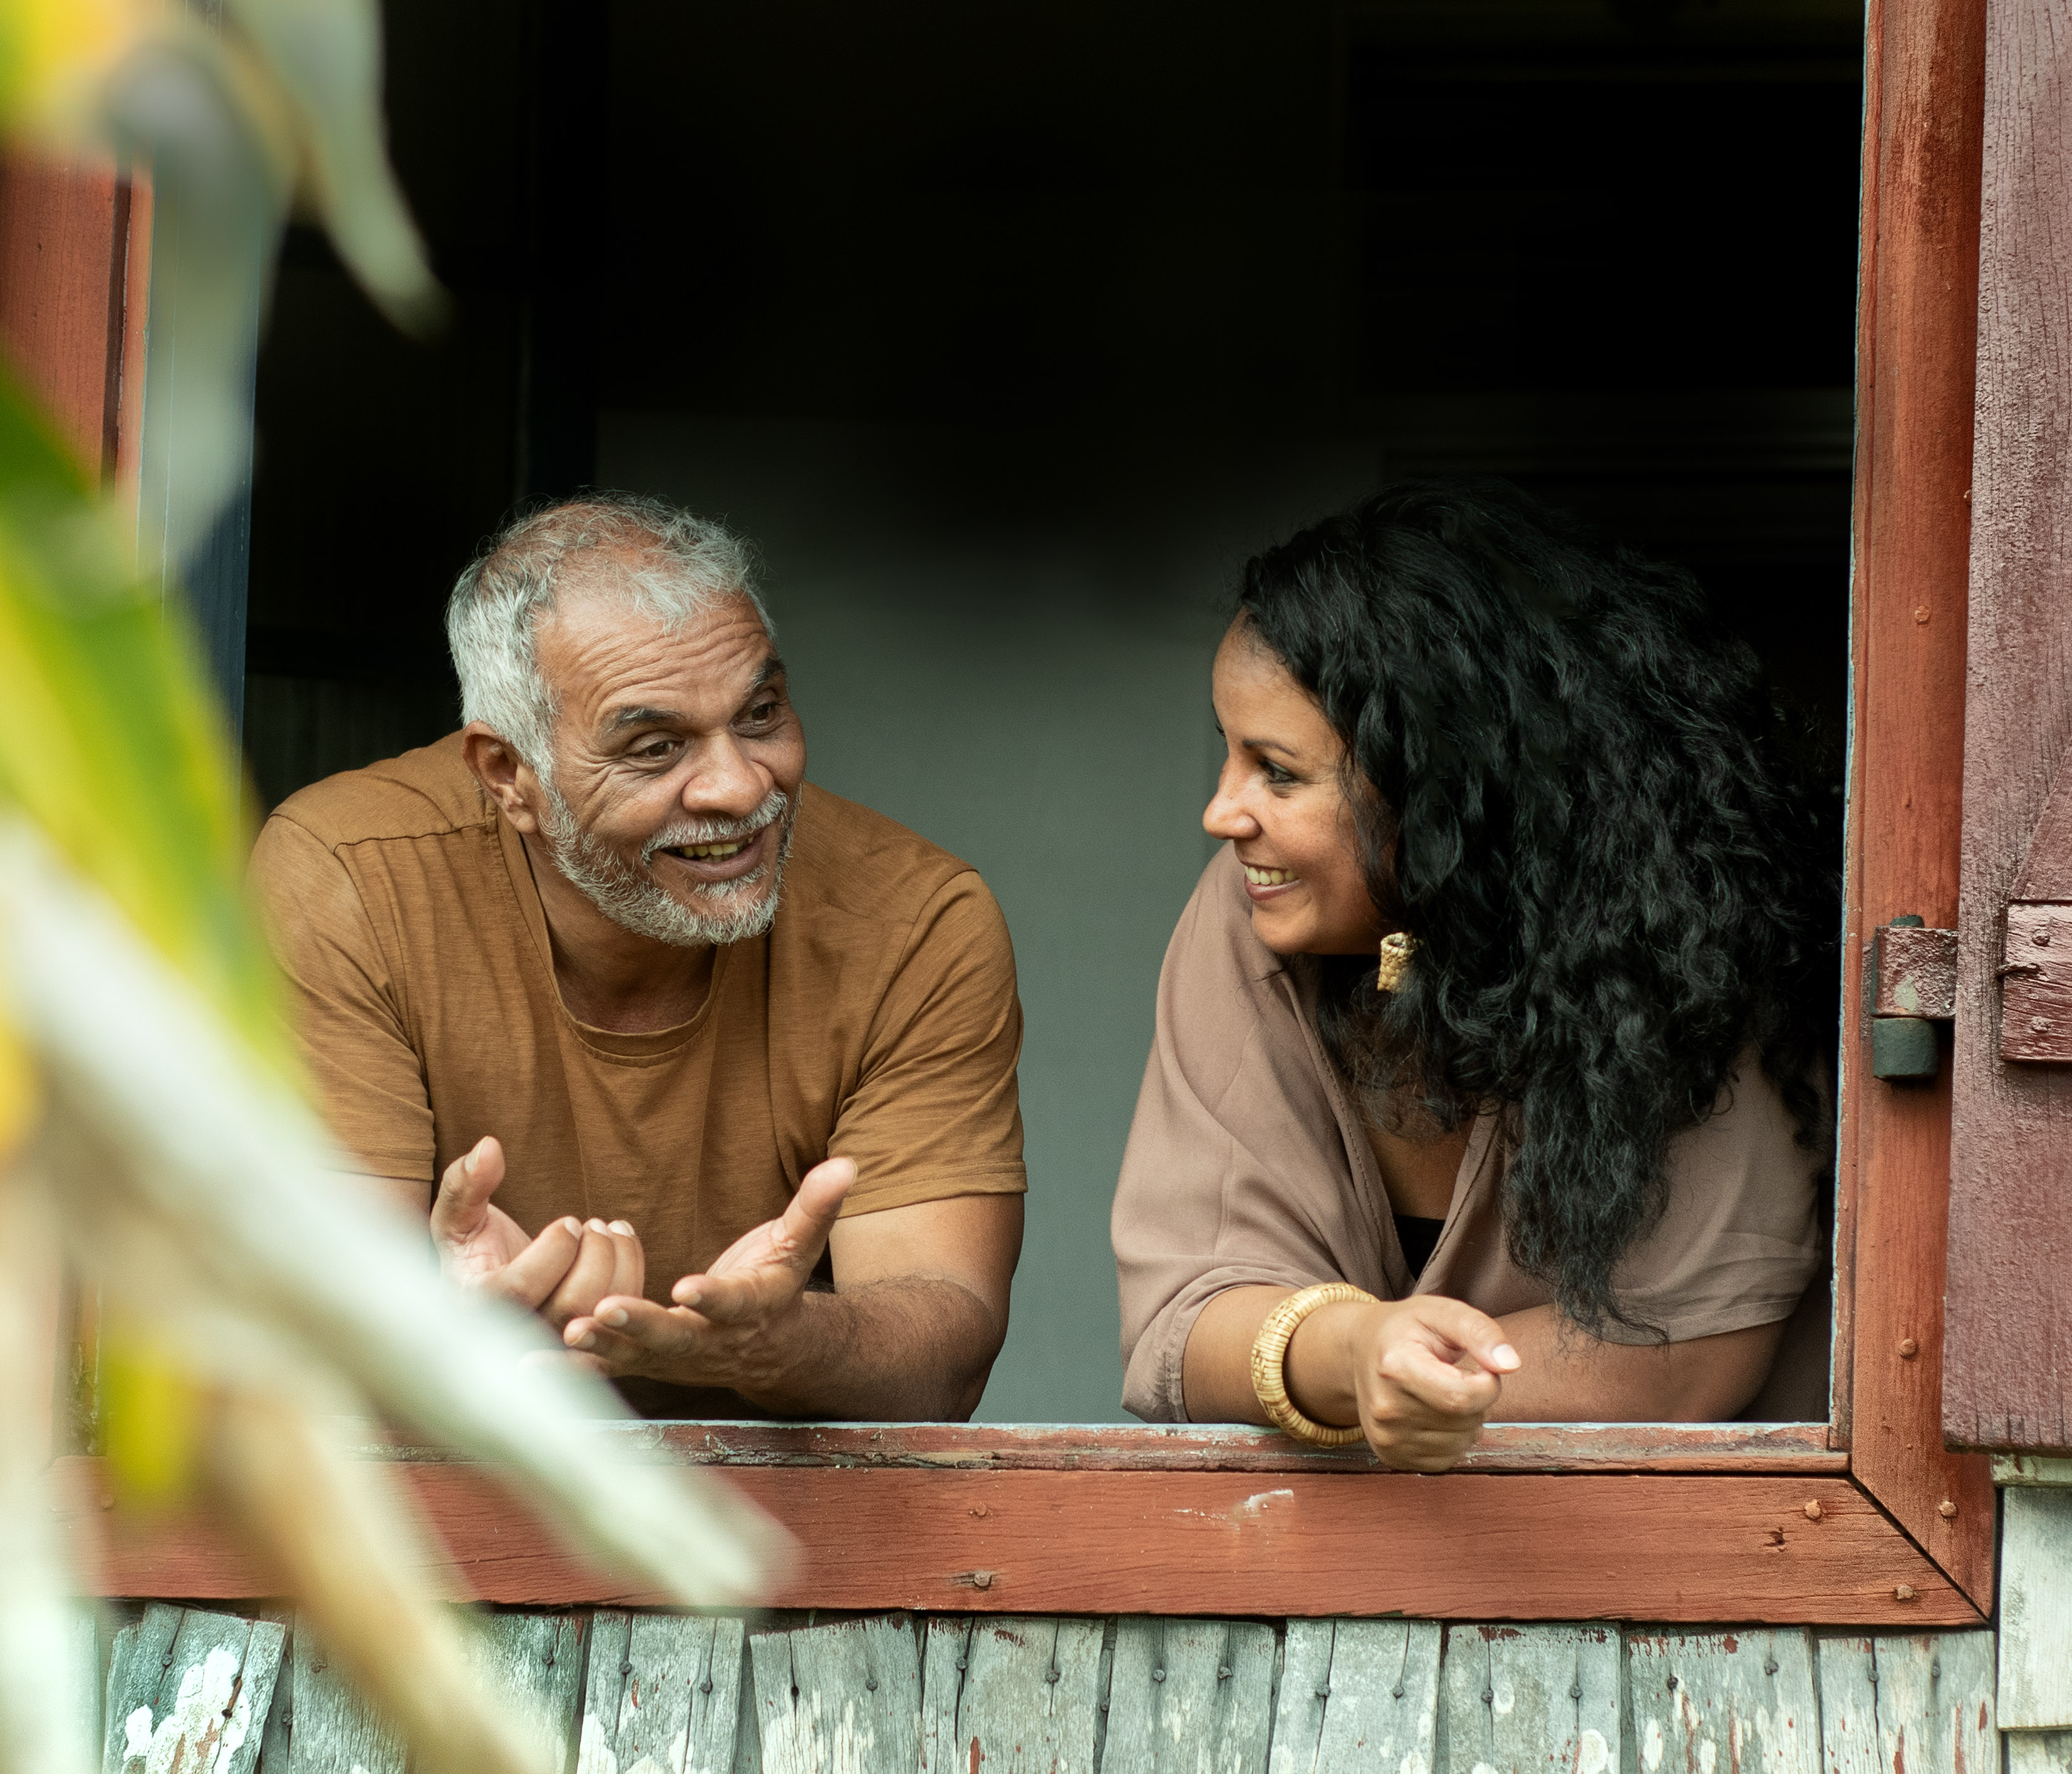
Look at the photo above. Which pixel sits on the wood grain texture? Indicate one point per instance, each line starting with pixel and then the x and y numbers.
pixel 63 236
pixel 662 1694
pixel 1357 1695
pixel 188 1689
pixel 1917 322
pixel 840 1699
pixel 1918 1704
pixel 2009 1351
pixel 1518 1699
pixel 1212 1447
pixel 1018 1695
pixel 1744 1701
pixel 2035 1609
pixel 1189 1694
pixel 531 1666
pixel 2036 983
pixel 1459 1546
pixel 331 1730
pixel 2038 1752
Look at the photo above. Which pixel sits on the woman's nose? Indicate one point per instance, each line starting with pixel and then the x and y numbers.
pixel 1224 817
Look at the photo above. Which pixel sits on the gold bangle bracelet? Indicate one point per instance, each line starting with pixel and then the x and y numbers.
pixel 1269 1362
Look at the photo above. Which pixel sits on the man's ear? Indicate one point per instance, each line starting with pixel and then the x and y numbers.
pixel 505 776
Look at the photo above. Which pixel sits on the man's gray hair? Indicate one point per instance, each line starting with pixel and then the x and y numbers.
pixel 682 567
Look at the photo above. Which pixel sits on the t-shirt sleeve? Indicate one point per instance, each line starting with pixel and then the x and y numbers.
pixel 370 1082
pixel 1739 1240
pixel 935 1112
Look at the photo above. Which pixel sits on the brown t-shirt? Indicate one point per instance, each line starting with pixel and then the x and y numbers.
pixel 1247 1164
pixel 877 1020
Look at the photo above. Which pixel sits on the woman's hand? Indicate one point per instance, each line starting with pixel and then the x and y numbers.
pixel 1420 1375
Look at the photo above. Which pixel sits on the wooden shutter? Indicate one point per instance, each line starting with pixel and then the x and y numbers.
pixel 2008 1327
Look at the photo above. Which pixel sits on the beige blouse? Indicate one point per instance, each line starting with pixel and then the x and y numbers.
pixel 1248 1164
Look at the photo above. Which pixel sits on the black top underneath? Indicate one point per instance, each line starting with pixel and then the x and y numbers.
pixel 1417 1235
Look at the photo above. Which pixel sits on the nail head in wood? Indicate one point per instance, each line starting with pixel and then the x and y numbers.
pixel 1908 1349
pixel 1946 1509
pixel 1902 1592
pixel 1813 1512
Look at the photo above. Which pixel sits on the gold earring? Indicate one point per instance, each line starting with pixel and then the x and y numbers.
pixel 1396 949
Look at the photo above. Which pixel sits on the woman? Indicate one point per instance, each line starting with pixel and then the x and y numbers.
pixel 1559 1140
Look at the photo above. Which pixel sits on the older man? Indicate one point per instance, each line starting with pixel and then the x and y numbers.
pixel 712 1068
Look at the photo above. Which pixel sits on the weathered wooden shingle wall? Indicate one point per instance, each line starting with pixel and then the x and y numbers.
pixel 656 1694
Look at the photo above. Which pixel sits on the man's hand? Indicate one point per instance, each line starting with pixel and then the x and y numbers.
pixel 735 1324
pixel 1423 1374
pixel 561 1275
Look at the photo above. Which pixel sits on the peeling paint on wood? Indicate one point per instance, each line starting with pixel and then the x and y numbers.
pixel 840 1699
pixel 1188 1695
pixel 1515 1698
pixel 1356 1696
pixel 190 1690
pixel 1741 1701
pixel 2035 1609
pixel 663 1694
pixel 1019 1695
pixel 1908 1704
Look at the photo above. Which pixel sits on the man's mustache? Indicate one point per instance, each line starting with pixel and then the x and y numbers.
pixel 682 831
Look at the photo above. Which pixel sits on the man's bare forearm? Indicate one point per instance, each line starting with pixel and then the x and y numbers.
pixel 915 1350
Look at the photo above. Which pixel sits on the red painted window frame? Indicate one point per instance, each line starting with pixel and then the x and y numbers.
pixel 1866 1520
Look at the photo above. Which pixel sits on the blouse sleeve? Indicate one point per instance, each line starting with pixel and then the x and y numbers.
pixel 1740 1239
pixel 1234 1174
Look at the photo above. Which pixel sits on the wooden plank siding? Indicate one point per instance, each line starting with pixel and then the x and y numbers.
pixel 2007 1380
pixel 1038 1695
pixel 1790 1549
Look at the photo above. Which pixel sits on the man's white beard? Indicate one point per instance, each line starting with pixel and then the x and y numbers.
pixel 740 910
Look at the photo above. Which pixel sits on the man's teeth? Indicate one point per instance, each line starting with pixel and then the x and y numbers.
pixel 713 853
pixel 1269 877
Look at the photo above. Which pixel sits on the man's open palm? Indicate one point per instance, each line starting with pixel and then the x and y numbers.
pixel 481 1245
pixel 721 1330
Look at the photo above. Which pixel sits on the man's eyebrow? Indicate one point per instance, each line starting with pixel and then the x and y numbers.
pixel 772 667
pixel 641 717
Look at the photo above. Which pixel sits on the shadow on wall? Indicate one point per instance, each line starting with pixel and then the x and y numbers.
pixel 1003 642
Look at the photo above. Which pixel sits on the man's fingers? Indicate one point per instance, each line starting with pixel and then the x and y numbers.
pixel 534 1274
pixel 588 1279
pixel 624 1332
pixel 629 1271
pixel 811 1214
pixel 464 1189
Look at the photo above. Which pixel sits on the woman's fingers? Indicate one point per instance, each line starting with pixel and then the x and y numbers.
pixel 1454 1328
pixel 1447 1387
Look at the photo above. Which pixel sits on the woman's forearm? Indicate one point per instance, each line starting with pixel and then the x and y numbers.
pixel 1568 1375
pixel 1564 1376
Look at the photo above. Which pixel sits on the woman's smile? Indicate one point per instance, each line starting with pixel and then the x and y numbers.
pixel 1265 884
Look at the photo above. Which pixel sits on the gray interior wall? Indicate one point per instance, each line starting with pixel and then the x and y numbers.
pixel 1003 642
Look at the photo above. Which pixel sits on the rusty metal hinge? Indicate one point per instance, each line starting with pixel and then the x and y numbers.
pixel 1914 971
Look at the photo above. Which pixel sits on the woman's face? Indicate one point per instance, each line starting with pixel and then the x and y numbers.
pixel 1280 802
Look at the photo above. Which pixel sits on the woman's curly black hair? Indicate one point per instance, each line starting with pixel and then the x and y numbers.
pixel 1576 793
